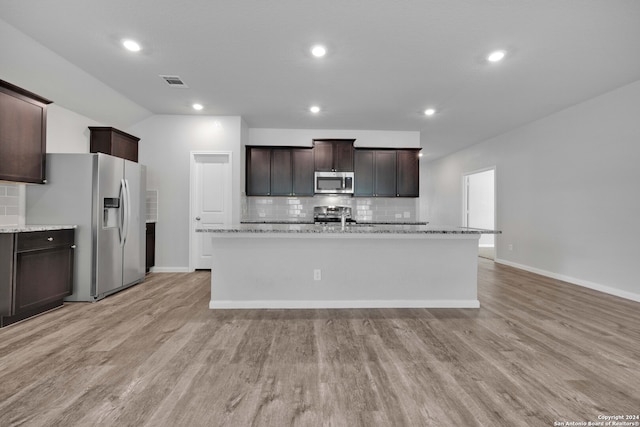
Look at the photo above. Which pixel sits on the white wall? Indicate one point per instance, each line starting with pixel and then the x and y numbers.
pixel 305 137
pixel 567 192
pixel 68 132
pixel 165 145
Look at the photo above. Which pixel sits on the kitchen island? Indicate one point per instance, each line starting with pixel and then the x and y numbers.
pixel 358 266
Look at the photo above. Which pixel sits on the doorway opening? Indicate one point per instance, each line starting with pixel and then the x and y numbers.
pixel 479 204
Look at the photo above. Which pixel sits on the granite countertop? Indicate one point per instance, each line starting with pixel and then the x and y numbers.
pixel 357 224
pixel 353 229
pixel 28 228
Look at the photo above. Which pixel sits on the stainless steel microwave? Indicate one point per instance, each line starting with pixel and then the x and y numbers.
pixel 333 182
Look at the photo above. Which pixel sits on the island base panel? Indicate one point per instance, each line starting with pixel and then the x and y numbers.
pixel 280 272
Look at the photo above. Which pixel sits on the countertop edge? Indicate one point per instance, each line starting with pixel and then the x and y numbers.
pixel 311 229
pixel 31 228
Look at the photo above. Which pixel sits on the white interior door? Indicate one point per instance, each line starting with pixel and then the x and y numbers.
pixel 211 180
pixel 479 206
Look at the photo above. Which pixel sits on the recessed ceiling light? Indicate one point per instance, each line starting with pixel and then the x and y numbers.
pixel 197 107
pixel 496 56
pixel 318 51
pixel 429 112
pixel 314 109
pixel 131 45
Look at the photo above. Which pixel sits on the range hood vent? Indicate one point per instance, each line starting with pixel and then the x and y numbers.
pixel 174 81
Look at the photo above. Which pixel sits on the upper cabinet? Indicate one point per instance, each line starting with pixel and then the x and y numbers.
pixel 387 173
pixel 112 141
pixel 408 177
pixel 289 171
pixel 23 131
pixel 333 155
pixel 258 171
pixel 279 171
pixel 375 173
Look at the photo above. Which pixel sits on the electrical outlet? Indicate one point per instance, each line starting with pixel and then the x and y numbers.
pixel 317 274
pixel 510 246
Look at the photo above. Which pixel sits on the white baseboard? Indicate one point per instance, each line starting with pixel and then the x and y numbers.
pixel 584 283
pixel 297 304
pixel 169 270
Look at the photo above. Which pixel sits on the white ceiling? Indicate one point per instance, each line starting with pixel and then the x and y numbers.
pixel 388 59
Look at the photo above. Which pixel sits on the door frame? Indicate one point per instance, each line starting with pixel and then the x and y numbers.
pixel 192 186
pixel 495 198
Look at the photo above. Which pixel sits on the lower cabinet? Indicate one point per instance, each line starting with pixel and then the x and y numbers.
pixel 151 246
pixel 36 272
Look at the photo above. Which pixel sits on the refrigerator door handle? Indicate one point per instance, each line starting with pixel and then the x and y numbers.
pixel 127 211
pixel 121 213
pixel 122 225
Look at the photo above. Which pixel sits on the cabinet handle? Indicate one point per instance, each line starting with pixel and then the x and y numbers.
pixel 73 246
pixel 50 239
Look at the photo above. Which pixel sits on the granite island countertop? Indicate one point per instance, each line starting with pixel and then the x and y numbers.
pixel 302 228
pixel 29 228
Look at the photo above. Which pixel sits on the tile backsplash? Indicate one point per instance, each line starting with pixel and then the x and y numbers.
pixel 9 203
pixel 152 205
pixel 377 209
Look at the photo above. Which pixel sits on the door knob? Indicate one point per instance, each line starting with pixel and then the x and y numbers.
pixel 197 218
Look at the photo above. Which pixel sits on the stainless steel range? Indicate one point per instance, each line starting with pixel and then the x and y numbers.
pixel 332 215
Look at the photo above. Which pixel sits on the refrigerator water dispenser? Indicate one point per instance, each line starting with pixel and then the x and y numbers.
pixel 110 212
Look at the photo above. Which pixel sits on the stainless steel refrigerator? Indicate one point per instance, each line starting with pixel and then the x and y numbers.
pixel 105 197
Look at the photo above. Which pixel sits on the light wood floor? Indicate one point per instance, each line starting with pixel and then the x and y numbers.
pixel 538 351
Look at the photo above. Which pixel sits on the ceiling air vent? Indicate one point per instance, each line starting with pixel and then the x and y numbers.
pixel 174 81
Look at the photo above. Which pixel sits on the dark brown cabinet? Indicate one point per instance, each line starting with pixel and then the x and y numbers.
pixel 386 173
pixel 302 165
pixel 279 171
pixel 333 155
pixel 408 177
pixel 258 171
pixel 375 173
pixel 23 131
pixel 150 245
pixel 36 272
pixel 112 141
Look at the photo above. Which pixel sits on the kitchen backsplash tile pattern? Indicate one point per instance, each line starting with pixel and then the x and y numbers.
pixel 376 209
pixel 9 203
pixel 152 205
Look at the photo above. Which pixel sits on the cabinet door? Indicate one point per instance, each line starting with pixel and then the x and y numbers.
pixel 281 178
pixel 6 274
pixel 323 156
pixel 258 173
pixel 42 277
pixel 408 173
pixel 114 142
pixel 22 138
pixel 385 173
pixel 364 166
pixel 150 247
pixel 124 147
pixel 302 159
pixel 343 156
